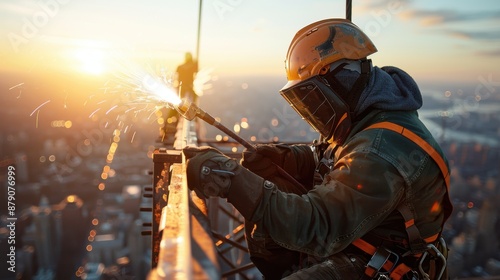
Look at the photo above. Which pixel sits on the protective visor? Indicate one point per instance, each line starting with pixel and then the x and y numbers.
pixel 317 104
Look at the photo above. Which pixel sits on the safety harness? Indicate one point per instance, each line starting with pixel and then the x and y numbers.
pixel 385 264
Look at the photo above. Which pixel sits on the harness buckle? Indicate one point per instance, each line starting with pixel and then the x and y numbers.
pixel 382 259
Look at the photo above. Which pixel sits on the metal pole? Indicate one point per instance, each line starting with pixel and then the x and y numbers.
pixel 199 33
pixel 348 10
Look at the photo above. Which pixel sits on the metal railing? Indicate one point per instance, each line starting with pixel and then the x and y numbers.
pixel 192 238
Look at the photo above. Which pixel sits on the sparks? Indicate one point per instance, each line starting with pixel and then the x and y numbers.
pixel 147 87
pixel 93 113
pixel 36 123
pixel 160 91
pixel 18 85
pixel 66 101
pixel 133 136
pixel 38 108
pixel 130 109
pixel 111 109
pixel 150 115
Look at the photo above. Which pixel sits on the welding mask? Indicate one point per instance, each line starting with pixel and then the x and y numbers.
pixel 312 88
pixel 315 101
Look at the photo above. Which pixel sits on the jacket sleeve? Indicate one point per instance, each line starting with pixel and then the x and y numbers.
pixel 360 191
pixel 300 162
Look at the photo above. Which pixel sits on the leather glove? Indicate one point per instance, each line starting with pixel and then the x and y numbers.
pixel 211 173
pixel 264 159
pixel 296 160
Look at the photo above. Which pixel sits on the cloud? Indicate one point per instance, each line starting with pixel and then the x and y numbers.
pixel 460 24
pixel 436 17
pixel 382 4
pixel 378 5
pixel 475 35
pixel 489 53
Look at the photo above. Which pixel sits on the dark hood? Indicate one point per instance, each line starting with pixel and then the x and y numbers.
pixel 390 88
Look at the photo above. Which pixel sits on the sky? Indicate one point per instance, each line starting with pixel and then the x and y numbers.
pixel 440 41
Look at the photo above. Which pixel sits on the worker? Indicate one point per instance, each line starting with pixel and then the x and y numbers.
pixel 377 181
pixel 184 83
pixel 185 74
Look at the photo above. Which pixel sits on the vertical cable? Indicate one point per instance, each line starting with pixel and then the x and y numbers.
pixel 199 32
pixel 348 10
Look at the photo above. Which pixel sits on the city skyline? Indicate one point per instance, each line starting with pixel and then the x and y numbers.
pixel 78 123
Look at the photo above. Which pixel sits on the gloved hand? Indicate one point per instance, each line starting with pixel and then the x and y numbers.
pixel 211 173
pixel 296 160
pixel 264 159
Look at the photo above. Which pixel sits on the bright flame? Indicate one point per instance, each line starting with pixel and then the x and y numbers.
pixel 160 90
pixel 147 87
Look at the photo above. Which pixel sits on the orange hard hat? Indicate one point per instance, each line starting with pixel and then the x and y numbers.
pixel 319 44
pixel 311 91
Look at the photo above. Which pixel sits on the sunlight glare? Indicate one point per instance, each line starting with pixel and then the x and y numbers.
pixel 91 61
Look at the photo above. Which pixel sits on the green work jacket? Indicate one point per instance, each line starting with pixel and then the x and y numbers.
pixel 372 173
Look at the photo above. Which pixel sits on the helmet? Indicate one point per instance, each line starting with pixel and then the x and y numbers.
pixel 322 43
pixel 309 90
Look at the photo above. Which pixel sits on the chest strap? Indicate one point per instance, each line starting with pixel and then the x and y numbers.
pixel 421 143
pixel 382 257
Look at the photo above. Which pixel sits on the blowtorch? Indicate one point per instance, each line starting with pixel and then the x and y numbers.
pixel 190 111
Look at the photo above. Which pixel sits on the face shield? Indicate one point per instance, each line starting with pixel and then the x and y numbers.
pixel 315 101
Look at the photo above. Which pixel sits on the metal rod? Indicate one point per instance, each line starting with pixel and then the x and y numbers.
pixel 235 136
pixel 199 33
pixel 348 10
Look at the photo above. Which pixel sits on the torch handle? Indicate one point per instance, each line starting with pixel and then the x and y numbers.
pixel 198 112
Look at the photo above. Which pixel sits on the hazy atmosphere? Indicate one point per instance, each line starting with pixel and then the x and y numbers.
pixel 80 128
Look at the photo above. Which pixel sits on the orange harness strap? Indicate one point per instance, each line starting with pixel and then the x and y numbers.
pixel 401 269
pixel 395 272
pixel 420 142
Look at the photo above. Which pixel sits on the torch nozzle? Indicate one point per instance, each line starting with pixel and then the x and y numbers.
pixel 187 109
pixel 190 111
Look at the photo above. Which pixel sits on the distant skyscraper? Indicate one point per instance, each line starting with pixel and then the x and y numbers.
pixel 107 248
pixel 486 227
pixel 74 230
pixel 22 174
pixel 138 245
pixel 44 238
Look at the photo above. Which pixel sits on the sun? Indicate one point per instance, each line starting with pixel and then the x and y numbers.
pixel 91 61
